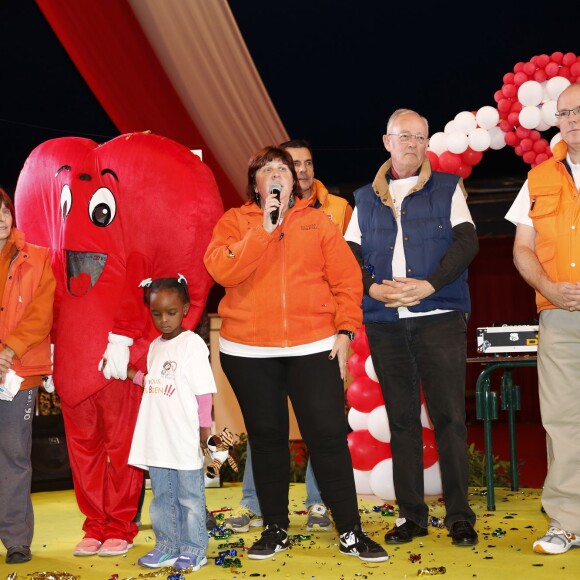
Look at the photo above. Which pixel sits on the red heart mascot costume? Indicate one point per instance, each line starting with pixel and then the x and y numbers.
pixel 139 206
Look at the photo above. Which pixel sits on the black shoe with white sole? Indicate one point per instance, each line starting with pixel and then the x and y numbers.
pixel 274 539
pixel 357 543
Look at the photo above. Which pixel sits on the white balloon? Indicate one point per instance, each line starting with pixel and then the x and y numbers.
pixel 487 117
pixel 381 480
pixel 555 86
pixel 432 480
pixel 530 94
pixel 362 483
pixel 548 113
pixel 370 369
pixel 357 419
pixel 465 122
pixel 479 139
pixel 457 142
pixel 438 143
pixel 425 420
pixel 497 138
pixel 555 139
pixel 450 127
pixel 530 117
pixel 378 424
pixel 542 126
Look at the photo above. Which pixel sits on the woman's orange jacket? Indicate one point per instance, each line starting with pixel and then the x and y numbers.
pixel 297 285
pixel 27 308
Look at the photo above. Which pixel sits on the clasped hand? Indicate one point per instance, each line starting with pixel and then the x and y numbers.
pixel 400 292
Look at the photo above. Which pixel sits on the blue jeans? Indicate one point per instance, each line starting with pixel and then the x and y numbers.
pixel 427 351
pixel 178 511
pixel 250 497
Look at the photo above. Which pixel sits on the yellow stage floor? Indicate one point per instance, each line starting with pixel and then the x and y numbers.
pixel 504 550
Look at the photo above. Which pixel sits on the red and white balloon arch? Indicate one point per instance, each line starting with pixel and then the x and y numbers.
pixel 369 440
pixel 525 106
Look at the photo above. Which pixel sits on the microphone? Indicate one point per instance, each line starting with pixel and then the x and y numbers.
pixel 276 189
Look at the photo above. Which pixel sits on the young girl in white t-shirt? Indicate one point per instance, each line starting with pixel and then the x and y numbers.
pixel 172 428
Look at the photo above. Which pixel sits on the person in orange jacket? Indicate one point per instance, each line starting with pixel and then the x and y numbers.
pixel 27 287
pixel 291 305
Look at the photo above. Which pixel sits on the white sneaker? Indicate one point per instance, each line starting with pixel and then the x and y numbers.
pixel 556 541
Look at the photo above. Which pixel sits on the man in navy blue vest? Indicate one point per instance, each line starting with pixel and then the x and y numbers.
pixel 414 238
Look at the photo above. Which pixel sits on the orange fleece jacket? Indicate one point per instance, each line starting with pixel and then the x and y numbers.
pixel 297 285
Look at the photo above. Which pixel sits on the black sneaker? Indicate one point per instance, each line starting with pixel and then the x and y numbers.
pixel 357 543
pixel 274 539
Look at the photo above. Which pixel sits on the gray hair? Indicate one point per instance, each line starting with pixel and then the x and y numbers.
pixel 398 113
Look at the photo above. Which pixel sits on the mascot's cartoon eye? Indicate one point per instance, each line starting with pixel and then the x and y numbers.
pixel 102 207
pixel 65 201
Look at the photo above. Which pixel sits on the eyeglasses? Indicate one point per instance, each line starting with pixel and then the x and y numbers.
pixel 567 112
pixel 406 137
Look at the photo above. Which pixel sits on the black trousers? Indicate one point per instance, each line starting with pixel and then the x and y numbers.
pixel 313 384
pixel 427 351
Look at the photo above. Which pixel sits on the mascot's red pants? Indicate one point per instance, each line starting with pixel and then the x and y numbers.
pixel 99 432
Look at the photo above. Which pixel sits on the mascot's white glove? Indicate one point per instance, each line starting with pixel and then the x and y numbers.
pixel 48 383
pixel 116 357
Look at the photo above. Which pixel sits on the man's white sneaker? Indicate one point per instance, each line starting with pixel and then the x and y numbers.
pixel 556 541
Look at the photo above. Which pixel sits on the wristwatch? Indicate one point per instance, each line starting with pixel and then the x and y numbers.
pixel 348 333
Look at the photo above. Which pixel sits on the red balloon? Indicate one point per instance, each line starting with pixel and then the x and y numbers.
pixel 509 90
pixel 529 68
pixel 356 365
pixel 464 170
pixel 526 144
pixel 506 125
pixel 508 78
pixel 529 157
pixel 449 162
pixel 541 75
pixel 569 59
pixel 557 57
pixel 504 105
pixel 471 157
pixel 552 69
pixel 430 455
pixel 434 159
pixel 513 119
pixel 522 132
pixel 364 394
pixel 540 146
pixel 360 344
pixel 542 157
pixel 520 78
pixel 365 450
pixel 542 60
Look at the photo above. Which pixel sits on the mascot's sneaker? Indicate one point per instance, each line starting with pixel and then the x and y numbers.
pixel 114 547
pixel 556 541
pixel 87 547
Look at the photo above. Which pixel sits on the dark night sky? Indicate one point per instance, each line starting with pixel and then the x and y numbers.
pixel 334 69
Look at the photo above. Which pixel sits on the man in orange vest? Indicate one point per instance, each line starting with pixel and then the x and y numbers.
pixel 547 255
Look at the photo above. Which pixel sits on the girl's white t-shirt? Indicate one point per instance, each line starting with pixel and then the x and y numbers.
pixel 167 429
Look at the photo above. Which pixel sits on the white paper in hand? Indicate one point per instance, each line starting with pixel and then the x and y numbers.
pixel 11 386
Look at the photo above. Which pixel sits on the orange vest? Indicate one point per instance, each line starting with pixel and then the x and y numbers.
pixel 336 208
pixel 555 211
